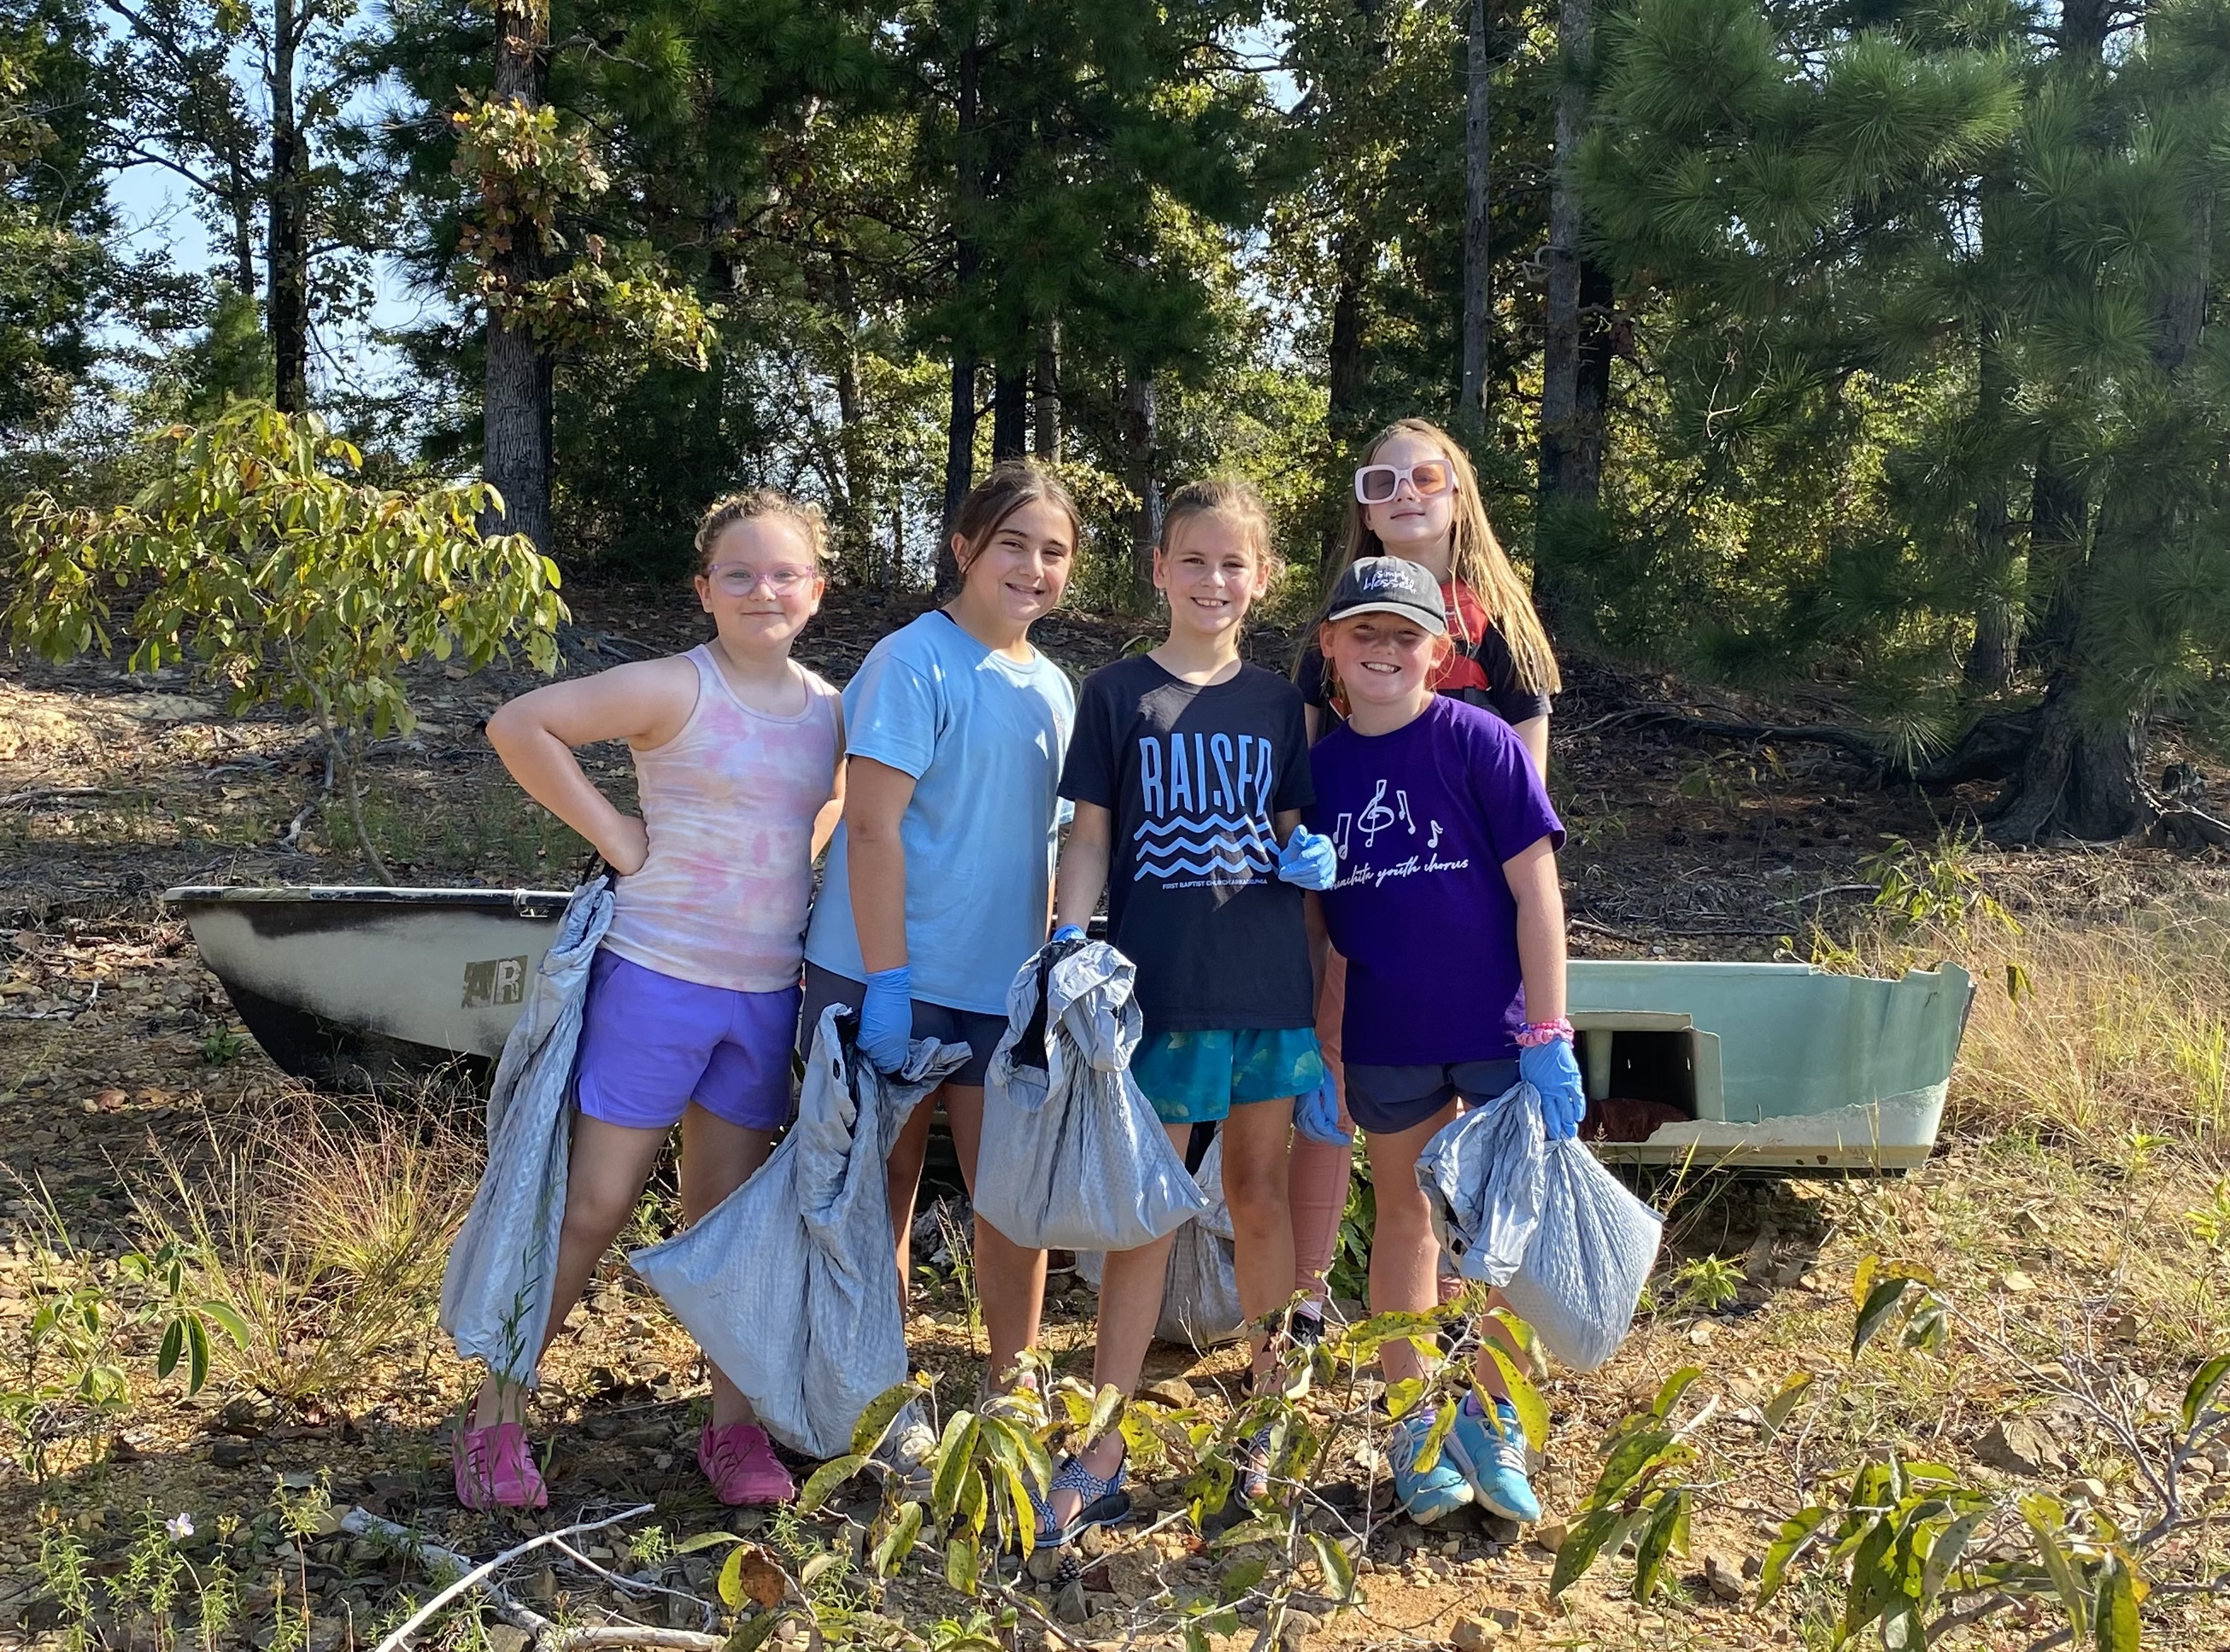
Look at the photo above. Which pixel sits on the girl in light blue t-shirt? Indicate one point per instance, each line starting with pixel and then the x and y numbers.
pixel 939 881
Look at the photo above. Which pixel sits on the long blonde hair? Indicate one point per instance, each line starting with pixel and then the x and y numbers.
pixel 1476 558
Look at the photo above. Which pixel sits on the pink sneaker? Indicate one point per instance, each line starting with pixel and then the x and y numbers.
pixel 495 1469
pixel 740 1463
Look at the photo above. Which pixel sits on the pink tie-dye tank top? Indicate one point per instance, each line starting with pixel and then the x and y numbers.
pixel 729 804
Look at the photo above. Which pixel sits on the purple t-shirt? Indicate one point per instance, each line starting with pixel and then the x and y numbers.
pixel 1423 819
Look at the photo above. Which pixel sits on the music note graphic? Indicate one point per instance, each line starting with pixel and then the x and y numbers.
pixel 1434 842
pixel 1376 817
pixel 1402 799
pixel 1339 835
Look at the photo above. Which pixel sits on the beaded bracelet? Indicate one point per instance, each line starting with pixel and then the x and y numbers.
pixel 1537 1033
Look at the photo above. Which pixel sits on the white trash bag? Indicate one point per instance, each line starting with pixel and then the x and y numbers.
pixel 1590 1256
pixel 503 1265
pixel 1073 1157
pixel 790 1284
pixel 1199 1294
pixel 1482 1176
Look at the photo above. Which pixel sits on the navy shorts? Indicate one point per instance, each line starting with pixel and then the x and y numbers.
pixel 1386 1101
pixel 981 1034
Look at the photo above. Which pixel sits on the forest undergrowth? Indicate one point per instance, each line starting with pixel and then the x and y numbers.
pixel 1982 1405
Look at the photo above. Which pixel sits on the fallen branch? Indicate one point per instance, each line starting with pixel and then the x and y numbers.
pixel 549 1636
pixel 635 1585
pixel 51 794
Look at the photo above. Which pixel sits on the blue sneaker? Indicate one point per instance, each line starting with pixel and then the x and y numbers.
pixel 1424 1497
pixel 1493 1464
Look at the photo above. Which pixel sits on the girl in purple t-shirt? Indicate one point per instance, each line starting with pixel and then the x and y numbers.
pixel 1447 910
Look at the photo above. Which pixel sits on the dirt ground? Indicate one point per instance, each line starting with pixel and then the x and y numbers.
pixel 121 1067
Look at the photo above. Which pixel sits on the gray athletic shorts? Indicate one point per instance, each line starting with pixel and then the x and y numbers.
pixel 981 1034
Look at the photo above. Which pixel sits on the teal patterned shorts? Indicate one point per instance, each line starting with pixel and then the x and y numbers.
pixel 1194 1077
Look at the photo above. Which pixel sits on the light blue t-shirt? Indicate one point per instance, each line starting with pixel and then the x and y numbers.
pixel 983 737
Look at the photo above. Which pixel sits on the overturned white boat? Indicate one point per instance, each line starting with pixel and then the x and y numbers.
pixel 339 984
pixel 1780 1066
pixel 1770 1066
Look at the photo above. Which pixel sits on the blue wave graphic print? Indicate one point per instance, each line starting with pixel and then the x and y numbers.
pixel 1220 847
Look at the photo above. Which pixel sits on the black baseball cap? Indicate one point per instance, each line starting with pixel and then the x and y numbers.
pixel 1389 585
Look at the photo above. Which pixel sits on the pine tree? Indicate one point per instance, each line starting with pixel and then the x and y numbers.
pixel 2120 175
pixel 56 271
pixel 1070 143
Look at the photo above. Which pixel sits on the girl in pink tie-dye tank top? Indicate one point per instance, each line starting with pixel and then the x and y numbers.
pixel 693 997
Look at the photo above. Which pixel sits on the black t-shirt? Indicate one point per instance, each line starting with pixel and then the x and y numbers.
pixel 1192 778
pixel 1484 671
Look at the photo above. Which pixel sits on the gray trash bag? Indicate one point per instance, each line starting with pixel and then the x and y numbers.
pixel 789 1285
pixel 1482 1176
pixel 1590 1257
pixel 1199 1294
pixel 495 1294
pixel 1073 1156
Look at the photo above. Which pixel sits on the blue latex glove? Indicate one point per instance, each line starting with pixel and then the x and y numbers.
pixel 1316 1115
pixel 886 1018
pixel 1068 932
pixel 1553 1070
pixel 1308 860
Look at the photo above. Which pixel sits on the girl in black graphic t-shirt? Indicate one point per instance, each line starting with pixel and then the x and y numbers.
pixel 1188 769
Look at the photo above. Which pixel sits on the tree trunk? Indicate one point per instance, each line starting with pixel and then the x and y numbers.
pixel 517 395
pixel 1140 435
pixel 1477 246
pixel 287 300
pixel 1998 610
pixel 1576 343
pixel 960 417
pixel 960 466
pixel 1580 471
pixel 855 517
pixel 240 203
pixel 1560 365
pixel 1045 387
pixel 1344 377
pixel 2077 779
pixel 2083 25
pixel 2083 775
pixel 1010 409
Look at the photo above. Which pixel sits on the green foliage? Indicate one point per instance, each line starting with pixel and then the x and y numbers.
pixel 1939 888
pixel 71 1374
pixel 260 561
pixel 58 273
pixel 968 1507
pixel 222 1047
pixel 1706 1284
pixel 1909 1549
pixel 2211 1222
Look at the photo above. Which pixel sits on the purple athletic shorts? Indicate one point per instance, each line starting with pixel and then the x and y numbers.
pixel 650 1044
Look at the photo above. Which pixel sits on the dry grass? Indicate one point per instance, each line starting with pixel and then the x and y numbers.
pixel 2096 1031
pixel 2087 1029
pixel 328 1235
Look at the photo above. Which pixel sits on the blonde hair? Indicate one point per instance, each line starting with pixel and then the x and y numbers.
pixel 1012 484
pixel 1225 496
pixel 731 508
pixel 1476 558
